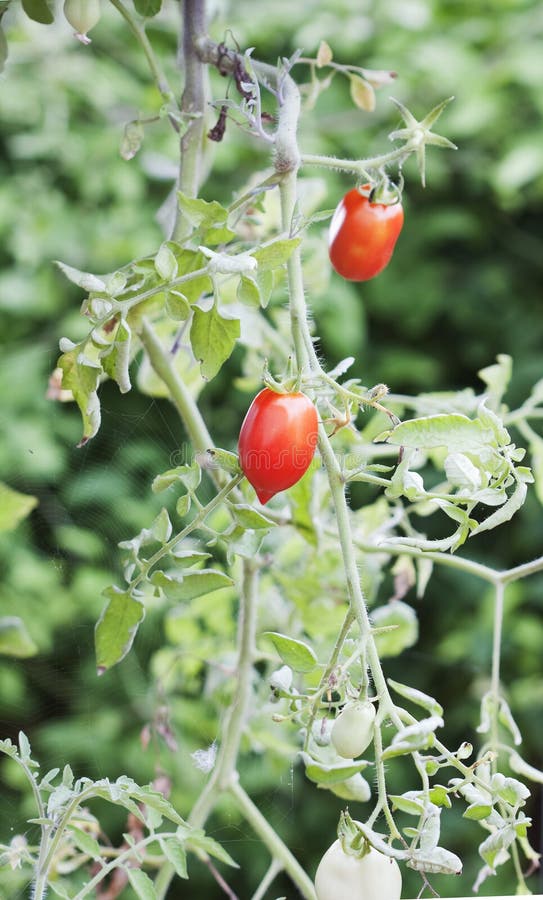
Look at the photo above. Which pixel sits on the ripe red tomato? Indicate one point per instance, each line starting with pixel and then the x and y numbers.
pixel 363 235
pixel 277 441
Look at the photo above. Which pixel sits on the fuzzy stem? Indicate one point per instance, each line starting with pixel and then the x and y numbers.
pixel 193 104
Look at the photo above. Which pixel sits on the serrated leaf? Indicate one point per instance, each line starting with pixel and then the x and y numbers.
pixel 85 842
pixel 166 263
pixel 85 280
pixel 38 11
pixel 189 585
pixel 175 854
pixel 15 639
pixel 452 430
pixel 505 512
pixel 201 213
pixel 276 254
pixel 148 8
pixel 324 54
pixel 296 654
pixel 155 800
pixel 82 378
pixel 213 338
pixel 14 507
pixel 142 884
pixel 320 773
pixel 418 697
pixel 362 93
pixel 117 627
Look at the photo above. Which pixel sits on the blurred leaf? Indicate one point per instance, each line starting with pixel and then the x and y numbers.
pixel 187 586
pixel 15 639
pixel 362 93
pixel 140 881
pixel 39 11
pixel 148 8
pixel 14 507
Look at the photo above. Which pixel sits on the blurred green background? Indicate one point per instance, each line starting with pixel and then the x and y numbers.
pixel 465 284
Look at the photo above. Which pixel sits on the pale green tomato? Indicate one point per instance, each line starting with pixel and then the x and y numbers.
pixel 352 731
pixel 341 876
pixel 82 15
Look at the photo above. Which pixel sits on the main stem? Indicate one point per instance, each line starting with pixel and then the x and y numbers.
pixel 192 107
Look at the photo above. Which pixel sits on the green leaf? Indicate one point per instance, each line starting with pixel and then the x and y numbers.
pixel 248 291
pixel 418 697
pixel 494 843
pixel 248 517
pixel 213 338
pixel 116 358
pixel 189 476
pixel 38 11
pixel 162 527
pixel 116 628
pixel 81 377
pixel 142 884
pixel 155 800
pixel 177 306
pixel 201 213
pixel 410 803
pixel 15 639
pixel 24 746
pixel 174 852
pixel 183 505
pixel 201 841
pixel 320 773
pixel 497 377
pixel 14 507
pixel 148 8
pixel 166 263
pixel 453 430
pixel 505 512
pixel 419 736
pixel 276 254
pixel 477 811
pixel 521 767
pixel 296 654
pixel 505 716
pixel 439 796
pixel 85 842
pixel 85 280
pixel 189 585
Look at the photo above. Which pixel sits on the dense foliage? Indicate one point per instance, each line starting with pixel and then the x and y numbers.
pixel 463 289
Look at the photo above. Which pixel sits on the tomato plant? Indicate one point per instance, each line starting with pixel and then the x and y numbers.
pixel 352 731
pixel 277 441
pixel 363 234
pixel 366 875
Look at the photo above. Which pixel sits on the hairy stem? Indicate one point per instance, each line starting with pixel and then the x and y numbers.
pixel 193 102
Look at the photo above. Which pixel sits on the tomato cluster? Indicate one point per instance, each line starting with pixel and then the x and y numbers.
pixel 277 441
pixel 363 234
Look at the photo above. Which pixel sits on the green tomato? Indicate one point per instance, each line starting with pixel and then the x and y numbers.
pixel 82 15
pixel 352 731
pixel 345 876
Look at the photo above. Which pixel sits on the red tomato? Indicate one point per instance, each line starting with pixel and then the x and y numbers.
pixel 362 235
pixel 277 441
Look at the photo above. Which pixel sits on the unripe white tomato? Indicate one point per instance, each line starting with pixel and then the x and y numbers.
pixel 341 876
pixel 82 15
pixel 352 731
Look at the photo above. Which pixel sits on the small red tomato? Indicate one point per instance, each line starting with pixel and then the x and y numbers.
pixel 363 235
pixel 277 441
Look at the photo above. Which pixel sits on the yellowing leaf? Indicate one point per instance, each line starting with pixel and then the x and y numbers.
pixel 362 93
pixel 324 54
